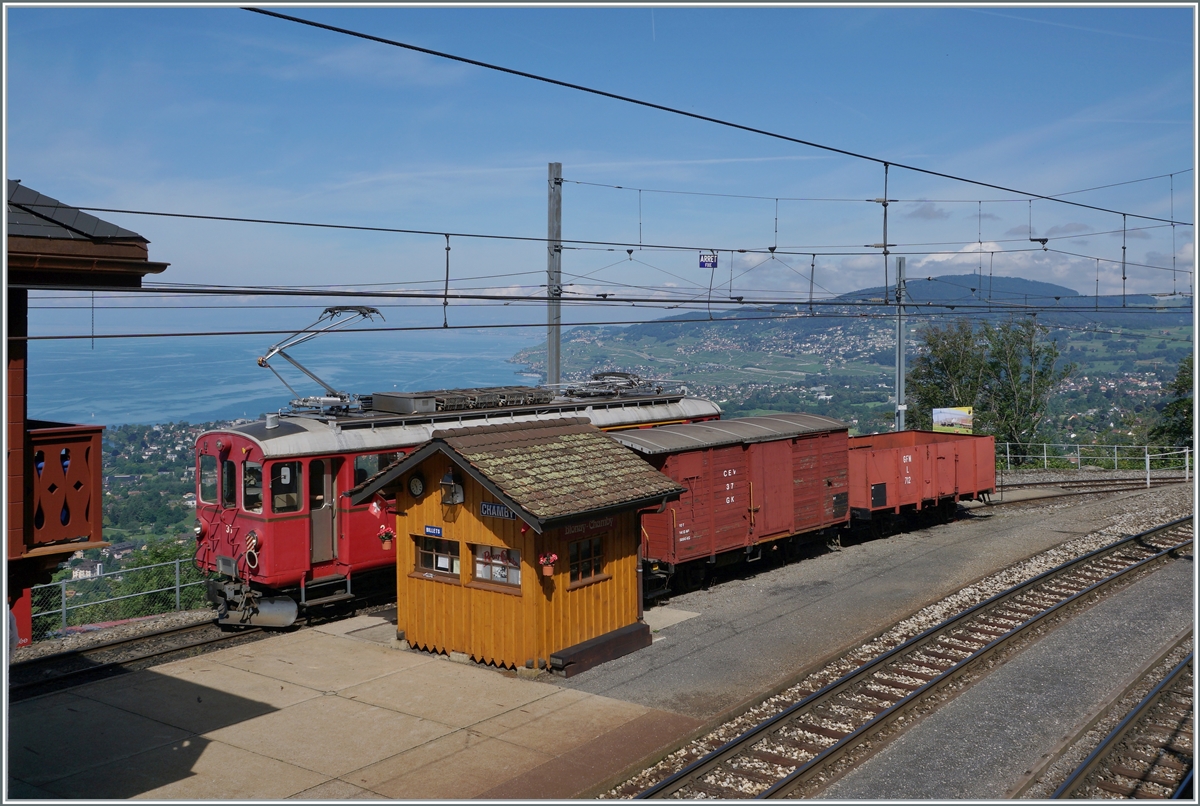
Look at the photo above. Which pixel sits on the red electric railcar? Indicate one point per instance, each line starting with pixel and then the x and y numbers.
pixel 759 482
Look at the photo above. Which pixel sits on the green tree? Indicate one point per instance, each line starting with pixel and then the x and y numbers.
pixel 948 372
pixel 1020 373
pixel 1175 423
pixel 1007 372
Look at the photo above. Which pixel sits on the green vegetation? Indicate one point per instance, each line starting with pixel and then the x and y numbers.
pixel 1175 421
pixel 148 475
pixel 1006 372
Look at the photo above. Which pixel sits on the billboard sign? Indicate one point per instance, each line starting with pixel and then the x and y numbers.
pixel 958 420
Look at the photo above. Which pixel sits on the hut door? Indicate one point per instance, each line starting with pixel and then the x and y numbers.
pixel 322 497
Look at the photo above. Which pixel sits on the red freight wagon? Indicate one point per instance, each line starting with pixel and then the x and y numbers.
pixel 749 482
pixel 916 470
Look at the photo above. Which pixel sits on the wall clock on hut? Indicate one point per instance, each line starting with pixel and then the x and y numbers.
pixel 526 552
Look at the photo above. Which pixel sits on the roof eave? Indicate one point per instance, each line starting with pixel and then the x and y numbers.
pixel 539 525
pixel 637 503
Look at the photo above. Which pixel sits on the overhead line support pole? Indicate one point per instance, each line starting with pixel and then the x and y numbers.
pixel 554 274
pixel 901 401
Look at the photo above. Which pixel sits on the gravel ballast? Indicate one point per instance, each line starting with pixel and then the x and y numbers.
pixel 778 622
pixel 975 746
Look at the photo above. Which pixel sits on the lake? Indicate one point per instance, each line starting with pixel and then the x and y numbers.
pixel 204 378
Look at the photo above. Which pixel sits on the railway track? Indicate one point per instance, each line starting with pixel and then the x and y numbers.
pixel 61 670
pixel 1081 488
pixel 811 743
pixel 1096 484
pixel 1150 754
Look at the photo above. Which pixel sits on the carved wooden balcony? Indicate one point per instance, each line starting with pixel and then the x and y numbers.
pixel 65 486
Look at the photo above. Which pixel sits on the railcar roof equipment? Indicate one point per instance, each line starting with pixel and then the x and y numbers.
pixel 335 399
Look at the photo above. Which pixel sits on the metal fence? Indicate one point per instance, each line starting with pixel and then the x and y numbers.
pixel 1047 455
pixel 78 605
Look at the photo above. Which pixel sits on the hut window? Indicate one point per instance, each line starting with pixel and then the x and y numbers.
pixel 587 559
pixel 497 564
pixel 436 554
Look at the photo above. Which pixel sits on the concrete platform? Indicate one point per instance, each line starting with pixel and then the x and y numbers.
pixel 335 712
pixel 341 712
pixel 1024 494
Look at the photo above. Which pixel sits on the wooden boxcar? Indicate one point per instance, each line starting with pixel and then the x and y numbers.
pixel 918 470
pixel 749 482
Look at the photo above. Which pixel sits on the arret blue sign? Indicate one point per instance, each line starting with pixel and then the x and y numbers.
pixel 708 260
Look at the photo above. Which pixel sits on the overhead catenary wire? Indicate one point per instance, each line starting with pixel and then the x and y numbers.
pixel 509 296
pixel 883 317
pixel 684 113
pixel 795 251
pixel 773 300
pixel 859 201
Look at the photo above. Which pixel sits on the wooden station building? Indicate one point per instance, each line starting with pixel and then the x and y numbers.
pixel 55 474
pixel 518 545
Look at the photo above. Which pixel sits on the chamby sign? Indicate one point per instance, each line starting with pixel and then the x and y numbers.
pixel 490 510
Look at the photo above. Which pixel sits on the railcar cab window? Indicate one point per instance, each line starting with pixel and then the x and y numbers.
pixel 497 564
pixel 228 484
pixel 435 555
pixel 370 464
pixel 285 487
pixel 587 559
pixel 252 487
pixel 208 478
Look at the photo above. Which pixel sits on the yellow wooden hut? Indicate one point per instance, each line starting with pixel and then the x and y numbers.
pixel 518 544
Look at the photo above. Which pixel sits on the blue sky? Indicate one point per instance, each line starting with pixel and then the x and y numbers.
pixel 220 111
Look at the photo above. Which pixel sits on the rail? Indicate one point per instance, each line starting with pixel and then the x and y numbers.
pixel 1109 745
pixel 791 748
pixel 130 593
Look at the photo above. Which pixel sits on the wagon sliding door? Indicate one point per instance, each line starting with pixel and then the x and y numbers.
pixel 771 473
pixel 322 500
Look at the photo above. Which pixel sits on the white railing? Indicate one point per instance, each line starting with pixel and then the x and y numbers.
pixel 1114 457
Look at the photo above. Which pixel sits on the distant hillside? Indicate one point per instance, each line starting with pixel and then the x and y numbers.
pixel 786 345
pixel 970 287
pixel 949 292
pixel 1069 307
